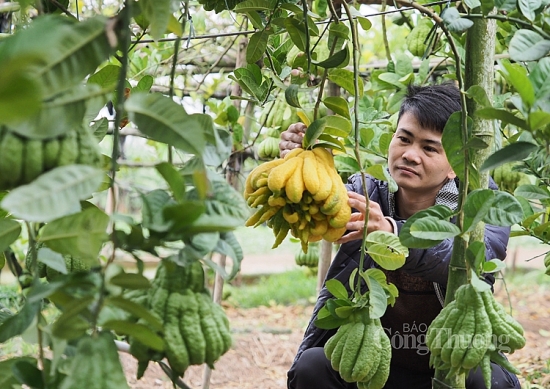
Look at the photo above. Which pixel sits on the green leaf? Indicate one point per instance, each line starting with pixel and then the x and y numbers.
pixel 158 13
pixel 487 6
pixel 144 84
pixel 346 163
pixel 475 254
pixel 257 46
pixel 337 289
pixel 378 302
pixel 337 126
pixel 529 216
pixel 80 235
pixel 529 7
pixel 344 312
pixel 71 50
pixel 137 331
pixel 504 116
pixel 54 194
pixel 71 325
pixel 250 79
pixel 40 291
pixel 532 192
pixel 381 173
pixel 9 232
pixel 433 228
pixel 256 20
pixel 100 128
pixel 338 33
pixel 386 250
pixel 292 8
pixel 18 323
pixel 321 7
pixel 365 23
pixel 473 3
pixel 173 178
pixel 7 378
pixel 229 245
pixel 454 22
pixel 540 78
pixel 154 204
pixel 225 210
pixel 296 31
pixel 136 310
pixel 174 26
pixel 345 79
pixel 337 59
pixel 366 136
pixel 61 114
pixel 316 128
pixel 478 284
pixel 479 95
pixel 505 5
pixel 333 304
pixel 476 143
pixel 163 120
pixel 380 276
pixel 331 142
pixel 338 105
pixel 516 74
pixel 20 94
pixel 96 364
pixel 218 148
pixel 130 281
pixel 476 207
pixel 506 210
pixel 392 79
pixel 28 374
pixel 440 212
pixel 52 259
pixel 493 266
pixel 253 5
pixel 510 153
pixel 453 143
pixel 106 77
pixel 291 95
pixel 329 322
pixel 538 120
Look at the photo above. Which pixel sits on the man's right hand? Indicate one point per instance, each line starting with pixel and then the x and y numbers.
pixel 292 138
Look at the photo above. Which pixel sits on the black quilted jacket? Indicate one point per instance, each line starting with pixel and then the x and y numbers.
pixel 428 264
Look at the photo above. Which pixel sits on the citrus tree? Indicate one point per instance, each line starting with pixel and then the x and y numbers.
pixel 463 36
pixel 59 71
pixel 63 63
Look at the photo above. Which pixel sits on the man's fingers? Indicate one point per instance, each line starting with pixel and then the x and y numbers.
pixel 291 137
pixel 297 128
pixel 357 204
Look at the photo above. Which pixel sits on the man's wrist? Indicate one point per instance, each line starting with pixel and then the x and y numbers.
pixel 393 224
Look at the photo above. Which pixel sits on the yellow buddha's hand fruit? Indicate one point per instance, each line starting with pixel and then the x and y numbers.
pixel 301 193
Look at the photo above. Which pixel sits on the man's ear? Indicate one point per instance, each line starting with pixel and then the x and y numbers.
pixel 451 175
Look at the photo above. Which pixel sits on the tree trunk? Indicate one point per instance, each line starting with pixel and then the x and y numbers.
pixel 479 70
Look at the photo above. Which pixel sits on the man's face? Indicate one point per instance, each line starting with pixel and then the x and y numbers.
pixel 416 157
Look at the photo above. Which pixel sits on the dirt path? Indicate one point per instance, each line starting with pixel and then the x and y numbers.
pixel 266 339
pixel 265 342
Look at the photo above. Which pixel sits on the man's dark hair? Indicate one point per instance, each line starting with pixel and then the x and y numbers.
pixel 431 105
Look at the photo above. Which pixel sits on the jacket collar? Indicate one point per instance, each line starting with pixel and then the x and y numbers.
pixel 447 195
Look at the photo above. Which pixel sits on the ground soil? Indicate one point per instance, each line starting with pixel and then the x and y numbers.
pixel 266 339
